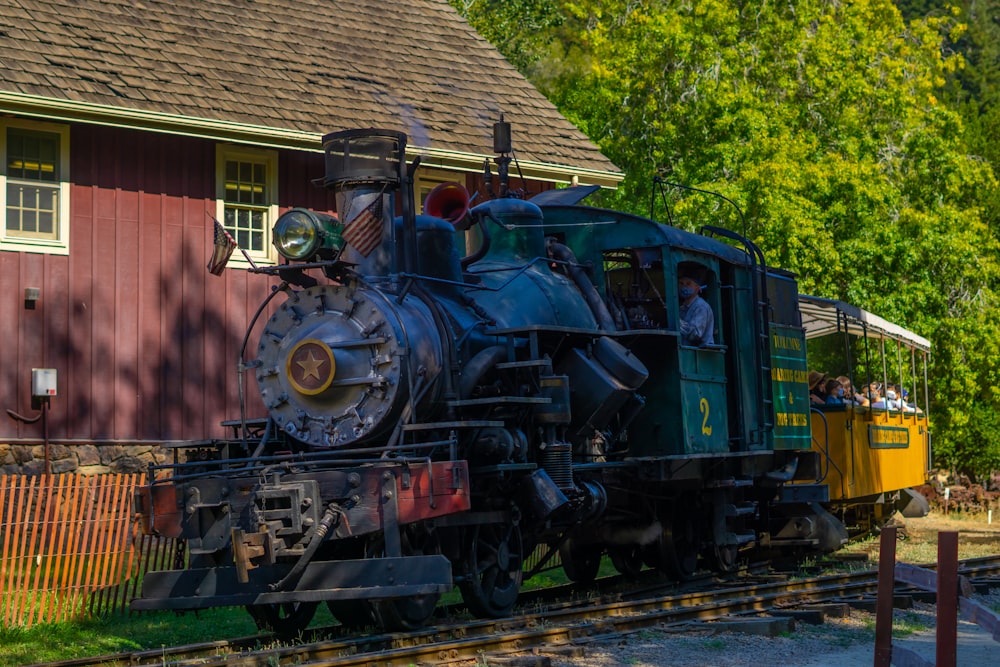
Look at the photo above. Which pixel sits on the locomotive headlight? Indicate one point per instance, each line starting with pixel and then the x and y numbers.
pixel 300 234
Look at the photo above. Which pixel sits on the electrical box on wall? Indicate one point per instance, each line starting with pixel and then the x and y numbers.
pixel 43 382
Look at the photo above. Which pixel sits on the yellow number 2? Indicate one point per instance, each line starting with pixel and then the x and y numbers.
pixel 703 407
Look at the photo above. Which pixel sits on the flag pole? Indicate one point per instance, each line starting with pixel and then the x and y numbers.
pixel 246 255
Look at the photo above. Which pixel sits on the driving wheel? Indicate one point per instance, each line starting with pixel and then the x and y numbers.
pixel 627 559
pixel 580 562
pixel 725 558
pixel 676 552
pixel 413 612
pixel 494 555
pixel 286 619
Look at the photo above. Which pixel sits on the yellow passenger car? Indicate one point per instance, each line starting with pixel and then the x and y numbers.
pixel 876 445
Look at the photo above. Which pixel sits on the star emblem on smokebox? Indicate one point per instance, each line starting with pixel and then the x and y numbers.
pixel 311 367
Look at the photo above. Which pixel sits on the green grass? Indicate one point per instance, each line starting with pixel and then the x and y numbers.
pixel 903 625
pixel 153 630
pixel 116 634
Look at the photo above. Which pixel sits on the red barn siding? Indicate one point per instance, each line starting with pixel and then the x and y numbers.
pixel 144 340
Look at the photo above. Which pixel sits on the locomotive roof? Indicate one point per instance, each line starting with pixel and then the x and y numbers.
pixel 821 317
pixel 282 73
pixel 656 233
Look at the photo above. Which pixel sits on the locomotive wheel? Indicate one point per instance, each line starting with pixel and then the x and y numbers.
pixel 494 556
pixel 580 562
pixel 677 548
pixel 725 558
pixel 287 619
pixel 354 614
pixel 627 559
pixel 409 613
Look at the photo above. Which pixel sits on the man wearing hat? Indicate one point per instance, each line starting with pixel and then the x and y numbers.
pixel 817 390
pixel 697 318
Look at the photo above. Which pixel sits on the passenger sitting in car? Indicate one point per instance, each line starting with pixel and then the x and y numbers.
pixel 817 388
pixel 910 407
pixel 875 396
pixel 852 395
pixel 895 399
pixel 834 392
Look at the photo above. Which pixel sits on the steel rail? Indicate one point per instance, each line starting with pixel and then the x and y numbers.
pixel 558 624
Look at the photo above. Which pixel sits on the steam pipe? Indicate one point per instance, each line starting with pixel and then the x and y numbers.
pixel 483 361
pixel 597 306
pixel 333 513
pixel 484 246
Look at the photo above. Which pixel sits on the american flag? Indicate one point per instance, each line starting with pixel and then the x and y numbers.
pixel 364 231
pixel 224 246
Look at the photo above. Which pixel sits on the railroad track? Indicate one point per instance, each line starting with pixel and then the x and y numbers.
pixel 552 626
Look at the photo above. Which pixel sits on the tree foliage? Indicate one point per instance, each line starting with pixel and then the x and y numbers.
pixel 831 125
pixel 519 29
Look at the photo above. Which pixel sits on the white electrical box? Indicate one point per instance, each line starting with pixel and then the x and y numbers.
pixel 43 382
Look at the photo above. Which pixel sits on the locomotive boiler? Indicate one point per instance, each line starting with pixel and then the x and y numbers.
pixel 436 411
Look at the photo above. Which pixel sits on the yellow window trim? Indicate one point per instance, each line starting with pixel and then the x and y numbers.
pixel 228 152
pixel 18 242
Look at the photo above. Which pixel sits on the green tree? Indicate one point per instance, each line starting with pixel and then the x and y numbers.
pixel 823 121
pixel 520 29
pixel 830 125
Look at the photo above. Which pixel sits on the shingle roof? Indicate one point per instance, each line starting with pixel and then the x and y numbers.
pixel 311 66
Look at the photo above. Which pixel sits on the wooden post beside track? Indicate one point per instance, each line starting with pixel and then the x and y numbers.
pixel 947 600
pixel 883 605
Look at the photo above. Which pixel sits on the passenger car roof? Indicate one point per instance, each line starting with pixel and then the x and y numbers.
pixel 821 317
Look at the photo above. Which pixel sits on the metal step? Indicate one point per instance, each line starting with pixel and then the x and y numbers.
pixel 789 542
pixel 500 400
pixel 741 509
pixel 533 363
pixel 468 423
pixel 728 483
pixel 740 538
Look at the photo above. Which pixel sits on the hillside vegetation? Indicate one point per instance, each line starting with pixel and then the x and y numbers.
pixel 860 140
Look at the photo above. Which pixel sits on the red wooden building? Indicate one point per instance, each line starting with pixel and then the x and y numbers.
pixel 126 127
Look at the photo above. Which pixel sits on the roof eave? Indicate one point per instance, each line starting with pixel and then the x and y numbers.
pixel 63 110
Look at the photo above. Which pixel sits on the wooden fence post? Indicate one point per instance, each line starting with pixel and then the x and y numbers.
pixel 883 605
pixel 947 600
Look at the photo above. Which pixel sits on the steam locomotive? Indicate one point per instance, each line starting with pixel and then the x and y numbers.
pixel 436 418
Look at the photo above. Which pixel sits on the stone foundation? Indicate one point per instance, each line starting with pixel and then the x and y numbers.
pixel 82 459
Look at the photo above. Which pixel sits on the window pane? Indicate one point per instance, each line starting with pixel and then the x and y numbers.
pixel 46 222
pixel 32 155
pixel 15 142
pixel 32 166
pixel 247 202
pixel 32 210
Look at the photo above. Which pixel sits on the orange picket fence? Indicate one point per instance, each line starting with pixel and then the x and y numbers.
pixel 71 547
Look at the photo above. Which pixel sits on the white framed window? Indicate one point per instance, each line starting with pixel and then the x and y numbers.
pixel 427 179
pixel 34 186
pixel 247 200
